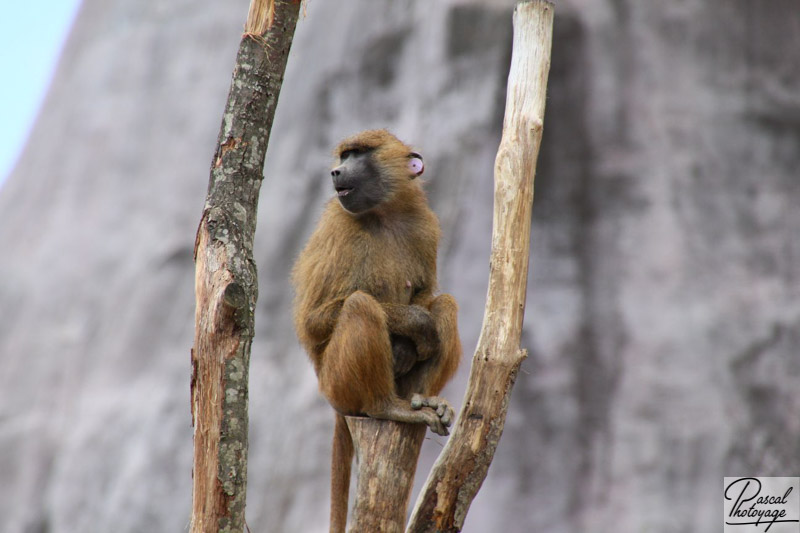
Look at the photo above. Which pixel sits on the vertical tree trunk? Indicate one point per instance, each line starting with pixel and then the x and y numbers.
pixel 225 277
pixel 386 453
pixel 464 462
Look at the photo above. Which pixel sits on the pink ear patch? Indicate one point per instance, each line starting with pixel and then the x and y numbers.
pixel 416 165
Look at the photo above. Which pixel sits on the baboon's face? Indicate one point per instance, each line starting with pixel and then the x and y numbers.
pixel 359 184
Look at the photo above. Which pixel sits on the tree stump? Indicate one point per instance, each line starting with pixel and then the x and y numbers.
pixel 386 454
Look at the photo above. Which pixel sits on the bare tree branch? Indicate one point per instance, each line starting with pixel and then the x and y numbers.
pixel 225 278
pixel 461 468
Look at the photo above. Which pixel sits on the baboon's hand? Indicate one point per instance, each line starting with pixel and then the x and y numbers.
pixel 424 332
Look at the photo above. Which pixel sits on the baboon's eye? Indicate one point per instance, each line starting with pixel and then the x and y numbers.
pixel 347 153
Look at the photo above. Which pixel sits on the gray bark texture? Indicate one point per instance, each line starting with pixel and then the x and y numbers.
pixel 663 303
pixel 226 283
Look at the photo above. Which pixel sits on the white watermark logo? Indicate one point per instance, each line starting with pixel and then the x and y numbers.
pixel 761 504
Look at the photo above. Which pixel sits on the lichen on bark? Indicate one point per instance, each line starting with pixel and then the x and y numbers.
pixel 226 283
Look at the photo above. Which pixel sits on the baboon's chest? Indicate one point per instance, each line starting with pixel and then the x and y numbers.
pixel 392 269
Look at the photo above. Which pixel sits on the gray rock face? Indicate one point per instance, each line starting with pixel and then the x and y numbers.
pixel 663 307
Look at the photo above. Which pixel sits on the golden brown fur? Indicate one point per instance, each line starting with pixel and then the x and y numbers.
pixel 365 292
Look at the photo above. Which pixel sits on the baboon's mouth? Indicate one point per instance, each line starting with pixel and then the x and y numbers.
pixel 343 191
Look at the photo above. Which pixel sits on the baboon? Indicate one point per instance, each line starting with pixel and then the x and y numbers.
pixel 382 343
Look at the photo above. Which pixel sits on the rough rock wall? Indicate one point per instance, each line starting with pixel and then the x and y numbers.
pixel 663 309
